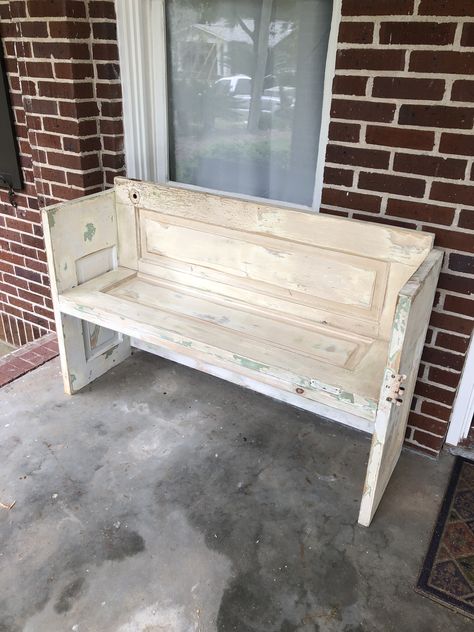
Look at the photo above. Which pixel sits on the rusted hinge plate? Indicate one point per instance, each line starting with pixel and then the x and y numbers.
pixel 394 390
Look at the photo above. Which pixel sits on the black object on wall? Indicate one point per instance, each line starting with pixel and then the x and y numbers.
pixel 10 172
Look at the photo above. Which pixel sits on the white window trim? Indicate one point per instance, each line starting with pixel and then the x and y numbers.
pixel 463 409
pixel 141 37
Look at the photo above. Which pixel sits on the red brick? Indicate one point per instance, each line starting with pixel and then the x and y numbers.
pixel 430 166
pixel 70 30
pixel 101 9
pixel 109 90
pixel 431 33
pixel 452 342
pixel 74 128
pixel 463 90
pixel 40 69
pixel 74 71
pixel 104 30
pixel 78 109
pixel 378 7
pixel 77 162
pixel 399 137
pixel 111 127
pixel 443 358
pixel 436 116
pixel 40 106
pixel 456 283
pixel 113 161
pixel 454 193
pixel 461 263
pixel 408 88
pixel 370 59
pixel 112 109
pixel 113 143
pixel 84 180
pixel 459 305
pixel 446 7
pixel 435 393
pixel 345 132
pixel 350 85
pixel 356 32
pixel 446 378
pixel 54 175
pixel 66 90
pixel 392 184
pixel 342 177
pixel 61 50
pixel 362 110
pixel 451 239
pixel 454 62
pixel 426 423
pixel 467 38
pixel 428 440
pixel 34 29
pixel 420 211
pixel 342 154
pixel 466 220
pixel 436 410
pixel 461 144
pixel 109 72
pixel 79 145
pixel 351 200
pixel 52 8
pixel 106 52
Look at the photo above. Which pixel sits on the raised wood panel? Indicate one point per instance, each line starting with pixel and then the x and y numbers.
pixel 312 275
pixel 378 241
pixel 335 347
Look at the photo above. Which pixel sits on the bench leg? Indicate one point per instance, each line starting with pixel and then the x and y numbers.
pixel 87 351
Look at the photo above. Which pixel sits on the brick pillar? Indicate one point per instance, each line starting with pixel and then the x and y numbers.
pixel 62 64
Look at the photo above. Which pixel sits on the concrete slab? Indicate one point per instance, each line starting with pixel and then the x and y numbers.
pixel 162 499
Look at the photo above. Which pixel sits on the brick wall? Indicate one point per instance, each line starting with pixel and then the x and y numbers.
pixel 62 63
pixel 401 152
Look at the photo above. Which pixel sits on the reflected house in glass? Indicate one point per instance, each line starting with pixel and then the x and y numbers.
pixel 246 94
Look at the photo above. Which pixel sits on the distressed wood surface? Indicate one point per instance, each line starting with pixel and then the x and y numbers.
pixel 410 325
pixel 311 309
pixel 81 243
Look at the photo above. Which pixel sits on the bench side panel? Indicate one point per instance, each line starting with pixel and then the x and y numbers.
pixel 81 243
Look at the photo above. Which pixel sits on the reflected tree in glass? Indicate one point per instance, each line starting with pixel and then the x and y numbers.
pixel 245 94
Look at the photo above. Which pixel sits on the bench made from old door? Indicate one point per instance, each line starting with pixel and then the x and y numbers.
pixel 324 313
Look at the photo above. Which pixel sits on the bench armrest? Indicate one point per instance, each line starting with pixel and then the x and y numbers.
pixel 81 239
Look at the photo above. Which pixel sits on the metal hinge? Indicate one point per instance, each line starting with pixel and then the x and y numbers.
pixel 394 391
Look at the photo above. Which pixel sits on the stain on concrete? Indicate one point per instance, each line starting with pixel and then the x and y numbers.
pixel 117 544
pixel 68 595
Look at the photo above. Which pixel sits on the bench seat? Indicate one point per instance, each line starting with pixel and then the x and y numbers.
pixel 324 313
pixel 334 367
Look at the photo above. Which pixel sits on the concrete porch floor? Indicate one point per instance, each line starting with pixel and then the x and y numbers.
pixel 162 499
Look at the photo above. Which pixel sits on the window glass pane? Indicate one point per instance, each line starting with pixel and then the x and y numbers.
pixel 245 94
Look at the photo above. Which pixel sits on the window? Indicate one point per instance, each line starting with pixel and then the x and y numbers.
pixel 228 95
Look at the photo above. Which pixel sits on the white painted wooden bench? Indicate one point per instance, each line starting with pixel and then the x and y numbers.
pixel 324 313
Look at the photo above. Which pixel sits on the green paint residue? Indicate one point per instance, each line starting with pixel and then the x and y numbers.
pixel 187 343
pixel 250 364
pixel 72 378
pixel 52 218
pixel 65 266
pixel 346 397
pixel 89 232
pixel 108 353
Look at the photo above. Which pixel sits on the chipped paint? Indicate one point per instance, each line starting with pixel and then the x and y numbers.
pixel 251 364
pixel 344 396
pixel 89 232
pixel 52 218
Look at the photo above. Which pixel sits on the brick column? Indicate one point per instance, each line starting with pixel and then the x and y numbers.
pixel 62 63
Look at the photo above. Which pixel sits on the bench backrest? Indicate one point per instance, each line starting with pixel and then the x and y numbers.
pixel 295 264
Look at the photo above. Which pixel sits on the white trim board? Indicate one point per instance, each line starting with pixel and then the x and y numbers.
pixel 463 409
pixel 142 40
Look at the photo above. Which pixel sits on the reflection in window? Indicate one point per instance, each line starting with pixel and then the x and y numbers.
pixel 245 94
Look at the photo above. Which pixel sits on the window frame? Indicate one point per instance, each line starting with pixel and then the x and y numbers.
pixel 142 36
